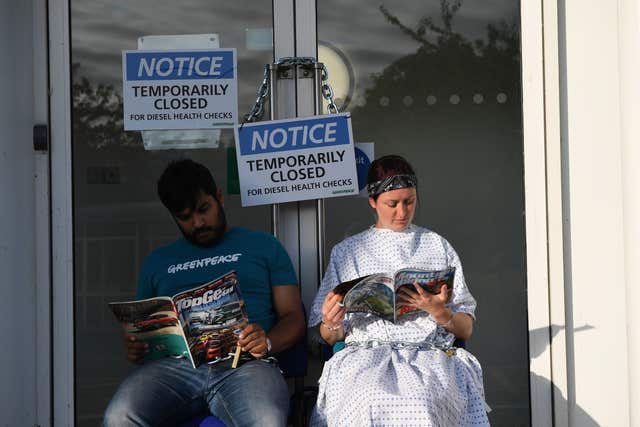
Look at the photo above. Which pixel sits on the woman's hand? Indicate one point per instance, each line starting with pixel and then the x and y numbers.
pixel 333 314
pixel 459 324
pixel 332 310
pixel 434 304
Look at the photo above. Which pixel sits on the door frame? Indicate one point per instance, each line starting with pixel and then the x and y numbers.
pixel 543 213
pixel 299 224
pixel 62 335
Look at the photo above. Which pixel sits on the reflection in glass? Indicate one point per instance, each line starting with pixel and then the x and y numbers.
pixel 117 216
pixel 439 83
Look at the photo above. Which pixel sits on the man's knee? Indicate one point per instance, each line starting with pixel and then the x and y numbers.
pixel 119 413
pixel 256 394
pixel 267 413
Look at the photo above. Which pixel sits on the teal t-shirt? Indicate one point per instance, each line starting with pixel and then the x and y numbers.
pixel 258 258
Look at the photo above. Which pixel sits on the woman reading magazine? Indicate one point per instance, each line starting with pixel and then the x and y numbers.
pixel 402 373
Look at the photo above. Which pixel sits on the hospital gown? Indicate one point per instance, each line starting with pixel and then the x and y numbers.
pixel 397 374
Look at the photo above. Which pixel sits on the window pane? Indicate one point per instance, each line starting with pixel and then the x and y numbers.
pixel 441 86
pixel 118 218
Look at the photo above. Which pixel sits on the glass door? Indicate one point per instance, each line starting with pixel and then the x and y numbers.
pixel 439 82
pixel 117 216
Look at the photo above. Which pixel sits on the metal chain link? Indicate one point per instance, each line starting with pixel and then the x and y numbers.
pixel 327 92
pixel 263 91
pixel 293 61
pixel 257 110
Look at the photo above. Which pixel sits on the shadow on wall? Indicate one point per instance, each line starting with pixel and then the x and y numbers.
pixel 538 336
pixel 580 417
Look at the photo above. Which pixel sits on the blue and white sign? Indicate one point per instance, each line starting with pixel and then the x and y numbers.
pixel 179 89
pixel 296 159
pixel 364 156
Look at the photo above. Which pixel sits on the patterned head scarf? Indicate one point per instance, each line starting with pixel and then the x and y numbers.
pixel 392 182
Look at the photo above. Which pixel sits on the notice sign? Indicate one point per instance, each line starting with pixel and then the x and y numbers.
pixel 297 159
pixel 185 89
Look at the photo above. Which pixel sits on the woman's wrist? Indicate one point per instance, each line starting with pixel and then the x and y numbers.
pixel 332 328
pixel 445 319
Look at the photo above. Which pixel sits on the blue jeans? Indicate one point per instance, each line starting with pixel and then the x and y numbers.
pixel 169 391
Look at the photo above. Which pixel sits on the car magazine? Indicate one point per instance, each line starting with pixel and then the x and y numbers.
pixel 201 324
pixel 376 293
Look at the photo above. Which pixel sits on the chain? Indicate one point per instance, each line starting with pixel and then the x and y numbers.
pixel 257 111
pixel 263 91
pixel 327 92
pixel 292 61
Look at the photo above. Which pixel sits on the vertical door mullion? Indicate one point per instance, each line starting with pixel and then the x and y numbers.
pixel 298 223
pixel 284 106
pixel 42 220
pixel 61 215
pixel 310 211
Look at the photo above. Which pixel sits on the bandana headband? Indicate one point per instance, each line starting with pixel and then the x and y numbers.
pixel 392 182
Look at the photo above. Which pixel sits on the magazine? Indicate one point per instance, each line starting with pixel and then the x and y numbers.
pixel 376 293
pixel 201 324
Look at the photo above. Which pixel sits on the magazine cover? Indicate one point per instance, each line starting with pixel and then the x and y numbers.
pixel 214 315
pixel 154 321
pixel 376 293
pixel 201 324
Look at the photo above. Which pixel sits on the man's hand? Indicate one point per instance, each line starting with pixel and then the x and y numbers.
pixel 253 339
pixel 135 349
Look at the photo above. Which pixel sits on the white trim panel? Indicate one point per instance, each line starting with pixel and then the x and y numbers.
pixel 43 348
pixel 557 309
pixel 536 215
pixel 593 205
pixel 61 214
pixel 629 39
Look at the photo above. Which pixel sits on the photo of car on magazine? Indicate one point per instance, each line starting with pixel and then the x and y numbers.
pixel 201 324
pixel 376 293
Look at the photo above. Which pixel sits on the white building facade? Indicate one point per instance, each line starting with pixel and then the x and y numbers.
pixel 520 119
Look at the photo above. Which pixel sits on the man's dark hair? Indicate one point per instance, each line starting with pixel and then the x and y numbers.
pixel 182 182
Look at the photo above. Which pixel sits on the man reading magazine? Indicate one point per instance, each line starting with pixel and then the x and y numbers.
pixel 169 391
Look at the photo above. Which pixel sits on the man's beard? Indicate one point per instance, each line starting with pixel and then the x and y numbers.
pixel 215 233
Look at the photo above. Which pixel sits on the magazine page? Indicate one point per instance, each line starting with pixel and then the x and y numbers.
pixel 430 280
pixel 214 315
pixel 154 321
pixel 374 294
pixel 345 287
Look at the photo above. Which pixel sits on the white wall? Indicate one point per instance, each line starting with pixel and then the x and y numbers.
pixel 17 218
pixel 591 94
pixel 629 15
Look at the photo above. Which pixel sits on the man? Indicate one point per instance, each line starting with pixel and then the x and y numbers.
pixel 170 391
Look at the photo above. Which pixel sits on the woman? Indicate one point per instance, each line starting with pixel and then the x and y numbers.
pixel 397 374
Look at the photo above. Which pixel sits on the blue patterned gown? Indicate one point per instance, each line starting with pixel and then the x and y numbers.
pixel 391 374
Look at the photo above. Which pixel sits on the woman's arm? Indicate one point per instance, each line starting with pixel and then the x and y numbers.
pixel 459 324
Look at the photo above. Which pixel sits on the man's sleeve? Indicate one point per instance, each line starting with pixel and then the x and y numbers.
pixel 281 270
pixel 145 281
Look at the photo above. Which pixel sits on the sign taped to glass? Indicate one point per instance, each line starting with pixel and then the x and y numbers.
pixel 296 159
pixel 180 89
